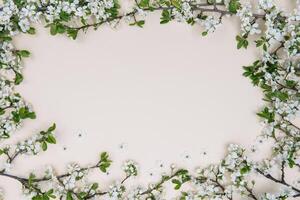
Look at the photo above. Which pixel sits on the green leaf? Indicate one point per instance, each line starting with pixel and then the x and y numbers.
pixel 245 169
pixel 53 29
pixel 165 17
pixel 105 162
pixel 177 184
pixel 291 162
pixel 64 16
pixel 18 78
pixel 242 42
pixel 104 156
pixel 144 3
pixel 69 196
pixel 23 53
pixel 31 31
pixel 37 197
pixel 140 23
pixel 51 139
pixel 4 37
pixel 50 194
pixel 72 33
pixel 23 113
pixel 44 146
pixel 283 96
pixel 104 166
pixel 291 83
pixel 60 28
pixel 52 128
pixel 176 4
pixel 204 33
pixel 94 186
pixel 31 179
pixel 233 6
pixel 266 114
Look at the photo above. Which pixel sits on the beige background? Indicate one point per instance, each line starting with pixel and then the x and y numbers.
pixel 164 92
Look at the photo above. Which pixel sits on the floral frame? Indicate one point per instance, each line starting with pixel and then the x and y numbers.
pixel 276 72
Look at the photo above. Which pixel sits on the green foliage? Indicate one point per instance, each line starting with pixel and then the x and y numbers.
pixel 64 16
pixel 31 31
pixel 244 170
pixel 291 84
pixel 45 196
pixel 262 42
pixel 176 4
pixel 165 17
pixel 18 78
pixel 177 184
pixel 105 162
pixel 242 42
pixel 252 72
pixel 23 53
pixel 72 33
pixel 182 177
pixel 267 114
pixel 69 196
pixel 94 186
pixel 5 37
pixel 144 4
pixel 204 33
pixel 23 113
pixel 57 28
pixel 291 162
pixel 139 23
pixel 31 179
pixel 234 6
pixel 48 137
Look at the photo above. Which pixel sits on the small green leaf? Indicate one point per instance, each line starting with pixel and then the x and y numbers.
pixel 177 184
pixel 144 3
pixel 94 186
pixel 165 17
pixel 104 166
pixel 233 6
pixel 266 114
pixel 140 23
pixel 176 4
pixel 44 146
pixel 31 31
pixel 204 33
pixel 104 156
pixel 64 16
pixel 31 179
pixel 23 53
pixel 69 196
pixel 53 29
pixel 245 169
pixel 242 42
pixel 60 28
pixel 52 128
pixel 51 139
pixel 18 78
pixel 72 33
pixel 104 162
